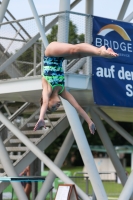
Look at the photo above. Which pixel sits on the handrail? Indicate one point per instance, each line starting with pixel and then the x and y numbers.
pixel 54 13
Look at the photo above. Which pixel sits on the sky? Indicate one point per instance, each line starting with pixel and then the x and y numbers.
pixel 103 8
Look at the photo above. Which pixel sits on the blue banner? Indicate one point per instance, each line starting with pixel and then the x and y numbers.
pixel 112 79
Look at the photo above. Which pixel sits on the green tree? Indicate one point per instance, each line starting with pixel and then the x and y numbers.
pixel 73 38
pixel 52 36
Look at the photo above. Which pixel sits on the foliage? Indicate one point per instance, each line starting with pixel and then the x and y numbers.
pixel 28 55
pixel 74 157
pixel 73 37
pixel 53 34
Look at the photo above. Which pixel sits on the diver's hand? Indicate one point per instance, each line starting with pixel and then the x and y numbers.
pixel 39 124
pixel 92 127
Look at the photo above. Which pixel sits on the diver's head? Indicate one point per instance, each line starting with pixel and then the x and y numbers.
pixel 53 103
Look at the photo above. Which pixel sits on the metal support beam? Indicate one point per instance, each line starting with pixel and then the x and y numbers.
pixel 115 125
pixel 131 161
pixel 77 65
pixel 74 3
pixel 85 151
pixel 55 20
pixel 93 196
pixel 41 155
pixel 129 17
pixel 9 169
pixel 35 58
pixel 39 25
pixel 109 146
pixel 88 33
pixel 7 110
pixel 128 189
pixel 3 9
pixel 42 45
pixel 35 170
pixel 63 25
pixel 63 19
pixel 123 9
pixel 14 115
pixel 89 7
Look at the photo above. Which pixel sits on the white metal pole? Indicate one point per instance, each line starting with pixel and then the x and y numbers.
pixel 88 33
pixel 55 20
pixel 132 161
pixel 10 171
pixel 63 19
pixel 115 125
pixel 3 9
pixel 109 147
pixel 129 17
pixel 77 66
pixel 128 189
pixel 63 25
pixel 123 9
pixel 39 25
pixel 35 58
pixel 85 150
pixel 89 7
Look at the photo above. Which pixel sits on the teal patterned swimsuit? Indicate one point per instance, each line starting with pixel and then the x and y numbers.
pixel 53 71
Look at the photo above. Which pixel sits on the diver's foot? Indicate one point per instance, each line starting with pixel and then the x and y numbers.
pixel 107 53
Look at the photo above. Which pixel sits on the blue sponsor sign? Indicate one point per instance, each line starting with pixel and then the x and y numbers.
pixel 112 79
